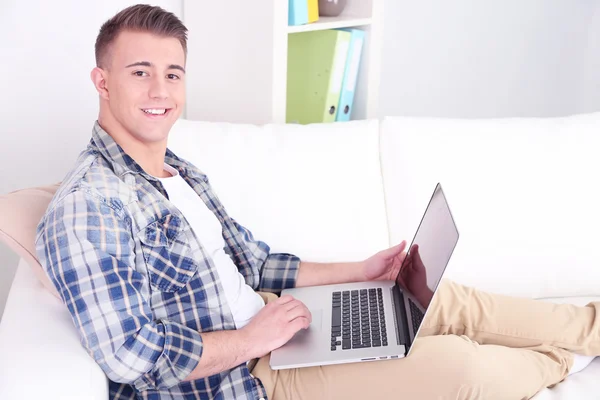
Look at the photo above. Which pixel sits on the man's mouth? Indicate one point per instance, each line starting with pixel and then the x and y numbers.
pixel 156 111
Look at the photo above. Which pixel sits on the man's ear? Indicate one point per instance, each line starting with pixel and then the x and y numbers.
pixel 98 76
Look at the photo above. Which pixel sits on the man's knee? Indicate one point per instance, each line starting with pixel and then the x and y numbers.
pixel 460 372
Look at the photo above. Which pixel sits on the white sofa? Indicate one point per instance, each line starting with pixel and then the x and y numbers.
pixel 524 193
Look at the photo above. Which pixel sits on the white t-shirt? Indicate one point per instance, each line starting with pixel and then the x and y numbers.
pixel 243 301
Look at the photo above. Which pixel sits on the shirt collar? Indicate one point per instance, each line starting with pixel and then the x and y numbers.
pixel 122 163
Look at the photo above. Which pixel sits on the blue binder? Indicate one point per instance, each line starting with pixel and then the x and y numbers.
pixel 297 12
pixel 357 38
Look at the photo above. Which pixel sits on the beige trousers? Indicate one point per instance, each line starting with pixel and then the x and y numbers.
pixel 473 345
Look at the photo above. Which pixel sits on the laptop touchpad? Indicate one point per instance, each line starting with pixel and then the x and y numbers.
pixel 315 325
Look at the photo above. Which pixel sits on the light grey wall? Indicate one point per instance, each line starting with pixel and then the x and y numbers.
pixel 48 103
pixel 7 273
pixel 590 100
pixel 473 58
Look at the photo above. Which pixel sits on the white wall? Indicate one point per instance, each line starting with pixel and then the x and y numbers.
pixel 48 103
pixel 473 58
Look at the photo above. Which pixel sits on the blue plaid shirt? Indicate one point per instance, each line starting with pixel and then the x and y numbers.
pixel 138 284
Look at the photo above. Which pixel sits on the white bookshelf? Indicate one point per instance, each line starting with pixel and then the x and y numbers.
pixel 237 58
pixel 331 23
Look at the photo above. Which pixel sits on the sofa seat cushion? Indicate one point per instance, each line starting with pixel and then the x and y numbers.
pixel 40 353
pixel 583 385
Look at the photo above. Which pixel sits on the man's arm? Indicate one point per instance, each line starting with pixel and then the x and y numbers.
pixel 87 250
pixel 384 265
pixel 272 327
pixel 315 274
pixel 222 350
pixel 279 271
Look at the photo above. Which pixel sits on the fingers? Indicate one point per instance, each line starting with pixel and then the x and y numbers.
pixel 300 323
pixel 393 251
pixel 284 299
pixel 407 262
pixel 395 271
pixel 399 248
pixel 300 310
pixel 293 308
pixel 292 304
pixel 402 245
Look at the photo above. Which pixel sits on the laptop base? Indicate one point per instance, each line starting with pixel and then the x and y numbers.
pixel 312 347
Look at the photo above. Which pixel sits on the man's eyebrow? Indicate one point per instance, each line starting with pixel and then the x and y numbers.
pixel 149 64
pixel 140 64
pixel 179 67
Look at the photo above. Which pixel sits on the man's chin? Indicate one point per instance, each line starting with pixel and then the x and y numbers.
pixel 157 128
pixel 152 134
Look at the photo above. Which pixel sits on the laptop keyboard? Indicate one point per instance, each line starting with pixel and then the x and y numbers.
pixel 357 319
pixel 416 314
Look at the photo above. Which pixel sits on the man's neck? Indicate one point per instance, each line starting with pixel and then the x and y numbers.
pixel 151 157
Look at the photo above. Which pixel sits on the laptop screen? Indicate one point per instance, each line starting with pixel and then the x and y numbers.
pixel 430 251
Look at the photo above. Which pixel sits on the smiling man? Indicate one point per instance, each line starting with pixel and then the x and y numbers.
pixel 160 281
pixel 169 293
pixel 140 79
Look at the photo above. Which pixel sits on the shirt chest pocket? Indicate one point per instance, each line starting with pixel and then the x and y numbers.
pixel 167 253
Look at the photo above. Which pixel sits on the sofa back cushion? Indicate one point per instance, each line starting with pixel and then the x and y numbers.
pixel 524 193
pixel 20 213
pixel 313 190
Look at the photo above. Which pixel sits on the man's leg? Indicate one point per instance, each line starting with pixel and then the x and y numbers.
pixel 438 368
pixel 511 321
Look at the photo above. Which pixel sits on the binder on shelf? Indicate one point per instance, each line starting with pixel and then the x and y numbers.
pixel 297 12
pixel 344 110
pixel 313 11
pixel 316 62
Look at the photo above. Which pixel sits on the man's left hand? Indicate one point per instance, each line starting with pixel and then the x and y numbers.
pixel 386 264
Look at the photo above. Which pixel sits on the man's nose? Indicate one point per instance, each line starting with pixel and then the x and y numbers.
pixel 158 88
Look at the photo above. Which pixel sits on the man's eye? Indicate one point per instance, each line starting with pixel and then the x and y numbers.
pixel 173 76
pixel 140 73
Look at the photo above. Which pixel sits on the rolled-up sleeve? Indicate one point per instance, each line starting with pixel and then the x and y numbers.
pixel 280 271
pixel 277 271
pixel 86 247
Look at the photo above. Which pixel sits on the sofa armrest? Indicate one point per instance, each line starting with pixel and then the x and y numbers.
pixel 40 353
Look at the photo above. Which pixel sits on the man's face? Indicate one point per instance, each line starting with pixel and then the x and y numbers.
pixel 145 84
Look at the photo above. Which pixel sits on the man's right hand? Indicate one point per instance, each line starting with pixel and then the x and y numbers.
pixel 276 323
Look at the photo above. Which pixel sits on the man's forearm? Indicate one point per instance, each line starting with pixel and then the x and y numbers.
pixel 221 351
pixel 224 350
pixel 316 274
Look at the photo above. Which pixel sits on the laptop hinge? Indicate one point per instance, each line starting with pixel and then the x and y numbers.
pixel 401 317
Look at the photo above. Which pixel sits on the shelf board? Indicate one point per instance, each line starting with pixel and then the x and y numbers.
pixel 343 21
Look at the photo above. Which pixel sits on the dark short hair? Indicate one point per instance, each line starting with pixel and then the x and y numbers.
pixel 139 18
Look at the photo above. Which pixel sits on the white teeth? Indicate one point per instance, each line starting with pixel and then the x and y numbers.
pixel 156 111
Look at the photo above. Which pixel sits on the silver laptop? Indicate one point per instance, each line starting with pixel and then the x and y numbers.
pixel 371 321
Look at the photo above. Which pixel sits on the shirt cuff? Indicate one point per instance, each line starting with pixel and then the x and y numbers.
pixel 279 272
pixel 181 354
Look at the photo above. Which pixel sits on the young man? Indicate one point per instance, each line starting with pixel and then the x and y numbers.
pixel 161 282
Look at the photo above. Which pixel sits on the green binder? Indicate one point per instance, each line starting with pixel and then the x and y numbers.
pixel 316 62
